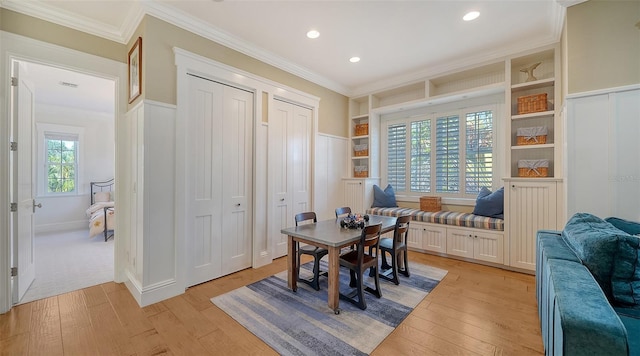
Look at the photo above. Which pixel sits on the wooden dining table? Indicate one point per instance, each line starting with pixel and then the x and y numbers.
pixel 330 235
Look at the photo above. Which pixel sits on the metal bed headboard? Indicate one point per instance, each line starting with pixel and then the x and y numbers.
pixel 103 186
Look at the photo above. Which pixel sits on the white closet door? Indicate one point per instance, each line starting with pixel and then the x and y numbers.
pixel 218 179
pixel 290 130
pixel 237 148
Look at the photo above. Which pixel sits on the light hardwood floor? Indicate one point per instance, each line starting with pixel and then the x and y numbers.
pixel 475 310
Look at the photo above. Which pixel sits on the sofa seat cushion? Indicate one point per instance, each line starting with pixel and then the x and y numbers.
pixel 595 242
pixel 588 324
pixel 443 217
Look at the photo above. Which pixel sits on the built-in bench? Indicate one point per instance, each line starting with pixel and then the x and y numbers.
pixel 443 217
pixel 453 234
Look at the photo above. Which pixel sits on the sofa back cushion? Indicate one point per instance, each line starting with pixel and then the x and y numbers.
pixel 630 227
pixel 625 276
pixel 611 254
pixel 595 242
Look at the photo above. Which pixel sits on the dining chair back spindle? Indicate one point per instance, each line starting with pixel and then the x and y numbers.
pixel 316 252
pixel 395 246
pixel 358 261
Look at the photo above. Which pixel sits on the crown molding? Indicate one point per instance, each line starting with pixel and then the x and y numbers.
pixel 40 9
pixel 208 31
pixel 568 3
pixel 44 11
pixel 467 62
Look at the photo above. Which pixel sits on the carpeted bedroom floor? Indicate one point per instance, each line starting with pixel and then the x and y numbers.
pixel 67 261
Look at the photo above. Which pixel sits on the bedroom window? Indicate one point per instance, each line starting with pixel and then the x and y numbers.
pixel 61 164
pixel 446 154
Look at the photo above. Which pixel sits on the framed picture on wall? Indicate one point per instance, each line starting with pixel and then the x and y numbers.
pixel 135 70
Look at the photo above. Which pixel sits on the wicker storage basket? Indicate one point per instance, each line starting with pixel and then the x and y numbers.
pixel 361 171
pixel 533 168
pixel 430 203
pixel 531 135
pixel 362 130
pixel 532 103
pixel 361 150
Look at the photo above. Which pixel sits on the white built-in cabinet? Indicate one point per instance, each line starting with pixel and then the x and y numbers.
pixel 427 237
pixel 529 202
pixel 289 168
pixel 603 153
pixel 530 205
pixel 475 244
pixel 358 193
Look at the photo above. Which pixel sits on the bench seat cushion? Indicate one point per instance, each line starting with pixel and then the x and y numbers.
pixel 443 217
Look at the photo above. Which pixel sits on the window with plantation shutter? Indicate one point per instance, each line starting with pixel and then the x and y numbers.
pixel 396 156
pixel 448 155
pixel 479 151
pixel 421 156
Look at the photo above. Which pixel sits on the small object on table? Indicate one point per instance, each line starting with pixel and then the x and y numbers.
pixel 354 221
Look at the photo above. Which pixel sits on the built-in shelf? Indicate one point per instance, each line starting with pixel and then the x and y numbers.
pixel 531 147
pixel 541 83
pixel 533 115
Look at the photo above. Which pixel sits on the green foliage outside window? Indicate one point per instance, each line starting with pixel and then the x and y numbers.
pixel 61 166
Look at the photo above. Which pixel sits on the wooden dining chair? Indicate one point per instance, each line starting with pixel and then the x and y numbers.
pixel 316 252
pixel 358 261
pixel 345 210
pixel 395 246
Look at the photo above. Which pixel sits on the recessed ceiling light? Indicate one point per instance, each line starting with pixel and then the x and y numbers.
pixel 354 59
pixel 313 34
pixel 471 16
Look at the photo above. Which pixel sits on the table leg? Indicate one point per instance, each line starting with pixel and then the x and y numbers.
pixel 334 278
pixel 292 261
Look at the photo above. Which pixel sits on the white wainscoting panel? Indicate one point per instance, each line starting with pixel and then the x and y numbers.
pixel 603 153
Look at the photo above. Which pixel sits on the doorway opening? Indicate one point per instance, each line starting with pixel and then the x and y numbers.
pixel 71 130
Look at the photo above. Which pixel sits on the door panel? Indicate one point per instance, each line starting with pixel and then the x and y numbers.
pixel 220 179
pixel 237 180
pixel 290 130
pixel 23 113
pixel 204 186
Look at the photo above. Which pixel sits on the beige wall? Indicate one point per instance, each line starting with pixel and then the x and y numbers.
pixel 603 45
pixel 159 71
pixel 41 30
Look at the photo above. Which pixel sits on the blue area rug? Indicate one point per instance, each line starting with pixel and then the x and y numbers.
pixel 302 324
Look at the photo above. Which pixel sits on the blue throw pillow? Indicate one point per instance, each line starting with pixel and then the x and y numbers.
pixel 490 204
pixel 384 198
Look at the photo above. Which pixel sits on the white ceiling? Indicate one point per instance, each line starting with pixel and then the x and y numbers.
pixel 397 40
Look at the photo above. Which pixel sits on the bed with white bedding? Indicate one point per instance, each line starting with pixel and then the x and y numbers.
pixel 102 210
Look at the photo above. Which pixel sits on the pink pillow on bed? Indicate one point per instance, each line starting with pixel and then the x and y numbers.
pixel 101 197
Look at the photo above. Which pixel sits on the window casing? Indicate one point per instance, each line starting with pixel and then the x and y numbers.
pixel 445 154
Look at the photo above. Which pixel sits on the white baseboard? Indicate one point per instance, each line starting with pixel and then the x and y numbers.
pixel 64 226
pixel 153 293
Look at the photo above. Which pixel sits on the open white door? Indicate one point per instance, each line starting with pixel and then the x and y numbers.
pixel 23 184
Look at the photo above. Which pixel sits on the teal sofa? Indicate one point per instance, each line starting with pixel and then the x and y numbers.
pixel 588 287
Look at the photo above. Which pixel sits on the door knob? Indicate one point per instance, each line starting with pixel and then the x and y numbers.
pixel 39 205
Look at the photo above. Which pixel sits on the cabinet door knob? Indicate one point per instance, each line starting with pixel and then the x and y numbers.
pixel 281 199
